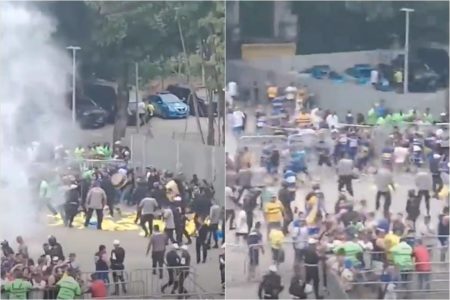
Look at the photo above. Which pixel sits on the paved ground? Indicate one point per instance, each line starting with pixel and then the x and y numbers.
pixel 237 284
pixel 159 128
pixel 85 242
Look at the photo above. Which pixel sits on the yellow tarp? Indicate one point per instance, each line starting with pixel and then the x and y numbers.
pixel 124 223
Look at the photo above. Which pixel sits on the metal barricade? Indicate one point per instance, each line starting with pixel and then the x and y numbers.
pixel 154 283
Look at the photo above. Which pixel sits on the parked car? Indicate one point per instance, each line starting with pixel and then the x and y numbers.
pixel 438 60
pixel 89 114
pixel 169 106
pixel 422 78
pixel 104 94
pixel 183 92
pixel 318 71
pixel 360 72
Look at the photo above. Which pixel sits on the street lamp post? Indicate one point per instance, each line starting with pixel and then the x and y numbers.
pixel 406 54
pixel 74 50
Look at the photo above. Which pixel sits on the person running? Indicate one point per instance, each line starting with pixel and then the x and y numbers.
pixel 147 209
pixel 157 243
pixel 274 213
pixel 173 262
pixel 255 244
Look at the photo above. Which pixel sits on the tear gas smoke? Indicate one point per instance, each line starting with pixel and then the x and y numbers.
pixel 33 85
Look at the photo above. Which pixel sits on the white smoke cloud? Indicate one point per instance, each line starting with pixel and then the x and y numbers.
pixel 34 76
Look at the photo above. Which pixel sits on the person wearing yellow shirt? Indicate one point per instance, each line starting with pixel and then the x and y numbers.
pixel 274 213
pixel 303 119
pixel 272 92
pixel 172 189
pixel 276 240
pixel 390 240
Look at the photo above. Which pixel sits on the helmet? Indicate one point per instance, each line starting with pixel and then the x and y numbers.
pixel 51 240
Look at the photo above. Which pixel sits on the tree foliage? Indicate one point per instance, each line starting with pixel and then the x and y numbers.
pixel 114 35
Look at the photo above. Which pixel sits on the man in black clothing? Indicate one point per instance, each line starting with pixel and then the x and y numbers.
pixel 110 191
pixel 117 266
pixel 222 267
pixel 201 246
pixel 286 197
pixel 55 248
pixel 270 286
pixel 185 262
pixel 173 262
pixel 311 263
pixel 71 204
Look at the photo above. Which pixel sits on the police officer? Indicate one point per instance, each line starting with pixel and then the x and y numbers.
pixel 270 286
pixel 55 248
pixel 311 263
pixel 117 266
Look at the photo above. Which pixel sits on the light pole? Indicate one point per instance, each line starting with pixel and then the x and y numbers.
pixel 406 54
pixel 136 66
pixel 74 50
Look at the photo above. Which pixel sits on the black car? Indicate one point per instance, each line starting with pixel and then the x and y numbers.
pixel 421 77
pixel 89 114
pixel 183 93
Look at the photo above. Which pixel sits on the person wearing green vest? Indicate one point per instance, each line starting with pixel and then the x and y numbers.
pixel 371 117
pixel 380 121
pixel 352 250
pixel 402 256
pixel 69 288
pixel 46 194
pixel 79 152
pixel 107 151
pixel 397 118
pixel 427 116
pixel 19 288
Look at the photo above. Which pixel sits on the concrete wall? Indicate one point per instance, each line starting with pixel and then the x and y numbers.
pixel 188 157
pixel 338 61
pixel 338 97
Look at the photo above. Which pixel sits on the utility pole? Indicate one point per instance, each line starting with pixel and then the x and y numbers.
pixel 138 124
pixel 74 50
pixel 406 55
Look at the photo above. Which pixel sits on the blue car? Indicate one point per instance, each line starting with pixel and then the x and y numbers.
pixel 361 73
pixel 169 106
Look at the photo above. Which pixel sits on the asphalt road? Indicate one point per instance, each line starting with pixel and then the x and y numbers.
pixel 237 284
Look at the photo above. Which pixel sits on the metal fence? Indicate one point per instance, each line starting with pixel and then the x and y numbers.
pixel 366 283
pixel 140 284
pixel 208 162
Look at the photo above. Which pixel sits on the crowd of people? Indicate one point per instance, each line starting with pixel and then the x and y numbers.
pixel 54 276
pixel 75 187
pixel 353 242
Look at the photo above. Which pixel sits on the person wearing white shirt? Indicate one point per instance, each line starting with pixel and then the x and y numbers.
pixel 332 120
pixel 291 92
pixel 238 118
pixel 374 77
pixel 316 117
pixel 232 89
pixel 241 224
